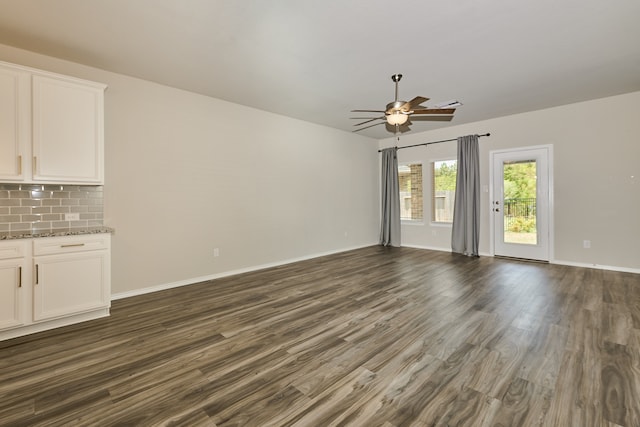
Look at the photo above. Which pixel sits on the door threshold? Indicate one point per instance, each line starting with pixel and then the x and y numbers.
pixel 512 258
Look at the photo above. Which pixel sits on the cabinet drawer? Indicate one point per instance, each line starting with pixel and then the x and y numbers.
pixel 12 249
pixel 68 244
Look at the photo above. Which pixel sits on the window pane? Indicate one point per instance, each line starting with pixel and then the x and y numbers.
pixel 444 189
pixel 410 182
pixel 519 205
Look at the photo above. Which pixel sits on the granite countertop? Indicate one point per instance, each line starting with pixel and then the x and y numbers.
pixel 76 231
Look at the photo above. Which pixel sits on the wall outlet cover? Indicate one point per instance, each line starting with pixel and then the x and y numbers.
pixel 72 217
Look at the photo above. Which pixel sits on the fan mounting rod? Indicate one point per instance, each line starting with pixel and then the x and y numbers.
pixel 396 78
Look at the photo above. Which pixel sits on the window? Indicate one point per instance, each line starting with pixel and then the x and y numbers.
pixel 444 189
pixel 410 182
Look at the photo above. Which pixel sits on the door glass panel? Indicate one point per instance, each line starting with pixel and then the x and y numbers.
pixel 519 204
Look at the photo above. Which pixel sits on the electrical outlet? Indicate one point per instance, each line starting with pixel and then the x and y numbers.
pixel 72 217
pixel 216 252
pixel 586 244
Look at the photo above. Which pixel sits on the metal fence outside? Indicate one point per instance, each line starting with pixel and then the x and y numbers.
pixel 519 213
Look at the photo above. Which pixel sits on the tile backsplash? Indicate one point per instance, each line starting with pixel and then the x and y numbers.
pixel 42 207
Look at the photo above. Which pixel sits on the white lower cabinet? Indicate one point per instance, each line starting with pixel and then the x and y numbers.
pixel 13 265
pixel 72 280
pixel 67 281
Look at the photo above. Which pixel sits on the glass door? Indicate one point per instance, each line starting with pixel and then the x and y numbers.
pixel 520 203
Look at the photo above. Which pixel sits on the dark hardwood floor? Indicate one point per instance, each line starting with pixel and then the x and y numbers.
pixel 371 337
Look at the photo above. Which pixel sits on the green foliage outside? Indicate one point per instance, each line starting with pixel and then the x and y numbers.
pixel 520 181
pixel 444 175
pixel 521 224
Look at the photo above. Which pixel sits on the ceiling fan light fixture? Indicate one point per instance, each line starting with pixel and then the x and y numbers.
pixel 397 118
pixel 397 112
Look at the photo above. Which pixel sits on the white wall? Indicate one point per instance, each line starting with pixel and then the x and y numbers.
pixel 596 176
pixel 187 173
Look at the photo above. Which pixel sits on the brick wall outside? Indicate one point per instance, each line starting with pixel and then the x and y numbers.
pixel 416 191
pixel 411 182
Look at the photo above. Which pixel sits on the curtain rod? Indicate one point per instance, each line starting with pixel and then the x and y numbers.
pixel 433 142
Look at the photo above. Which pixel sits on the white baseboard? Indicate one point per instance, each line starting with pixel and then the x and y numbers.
pixel 53 324
pixel 596 266
pixel 200 279
pixel 434 248
pixel 194 280
pixel 430 248
pixel 555 261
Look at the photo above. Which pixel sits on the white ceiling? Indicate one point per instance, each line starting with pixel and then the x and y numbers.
pixel 317 60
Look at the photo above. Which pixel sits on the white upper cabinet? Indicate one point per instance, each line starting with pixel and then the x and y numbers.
pixel 67 131
pixel 14 129
pixel 51 127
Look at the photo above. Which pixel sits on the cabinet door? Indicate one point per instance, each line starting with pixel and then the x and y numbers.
pixel 70 283
pixel 11 292
pixel 14 111
pixel 67 131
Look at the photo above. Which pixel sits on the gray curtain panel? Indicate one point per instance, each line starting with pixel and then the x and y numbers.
pixel 390 226
pixel 466 210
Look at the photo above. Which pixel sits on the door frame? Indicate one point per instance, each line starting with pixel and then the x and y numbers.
pixel 492 190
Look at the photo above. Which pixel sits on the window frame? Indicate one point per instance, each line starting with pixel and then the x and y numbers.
pixel 432 202
pixel 412 221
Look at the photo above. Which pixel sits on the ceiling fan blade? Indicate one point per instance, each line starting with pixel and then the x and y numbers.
pixel 432 118
pixel 367 111
pixel 370 120
pixel 415 102
pixel 370 126
pixel 434 111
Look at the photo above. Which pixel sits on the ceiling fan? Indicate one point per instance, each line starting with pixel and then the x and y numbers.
pixel 397 114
